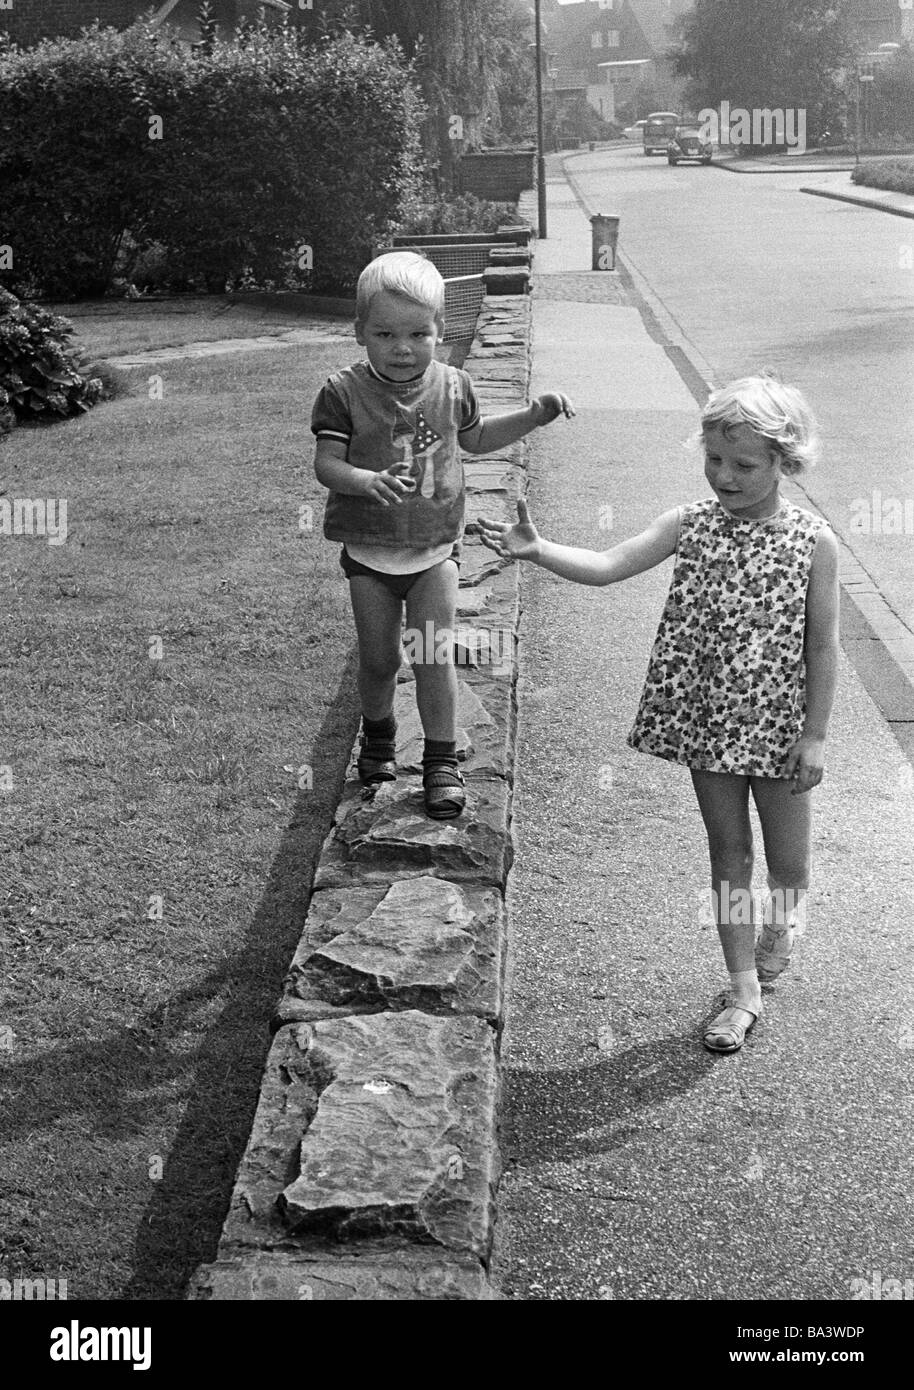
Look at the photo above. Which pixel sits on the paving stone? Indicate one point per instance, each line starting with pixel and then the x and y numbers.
pixel 495 370
pixel 414 1276
pixel 370 1127
pixel 479 563
pixel 484 726
pixel 422 943
pixel 494 475
pixel 388 835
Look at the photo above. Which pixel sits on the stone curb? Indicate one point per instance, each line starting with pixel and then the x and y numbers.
pixel 372 1166
pixel 862 202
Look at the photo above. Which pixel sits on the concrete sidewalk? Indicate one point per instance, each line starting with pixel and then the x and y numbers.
pixel 638 1165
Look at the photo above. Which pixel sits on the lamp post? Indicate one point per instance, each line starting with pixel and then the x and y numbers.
pixel 540 133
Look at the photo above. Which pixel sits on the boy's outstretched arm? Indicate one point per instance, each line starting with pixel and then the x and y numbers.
pixel 497 431
pixel 523 542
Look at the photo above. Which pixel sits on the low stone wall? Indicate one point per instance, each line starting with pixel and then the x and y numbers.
pixel 372 1167
pixel 498 175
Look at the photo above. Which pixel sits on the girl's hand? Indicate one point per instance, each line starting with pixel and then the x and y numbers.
pixel 517 542
pixel 551 406
pixel 805 764
pixel 388 486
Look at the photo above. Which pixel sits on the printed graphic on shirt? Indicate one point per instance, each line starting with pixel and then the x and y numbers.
pixel 418 443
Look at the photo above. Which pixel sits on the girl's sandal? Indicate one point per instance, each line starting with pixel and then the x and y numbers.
pixel 444 791
pixel 725 1034
pixel 772 954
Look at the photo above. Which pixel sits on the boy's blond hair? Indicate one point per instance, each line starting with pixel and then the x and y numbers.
pixel 405 273
pixel 777 412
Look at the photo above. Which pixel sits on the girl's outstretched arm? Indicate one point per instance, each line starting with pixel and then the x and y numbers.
pixel 806 760
pixel 523 542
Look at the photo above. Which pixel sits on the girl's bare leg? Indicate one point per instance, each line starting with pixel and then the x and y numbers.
pixel 786 822
pixel 723 799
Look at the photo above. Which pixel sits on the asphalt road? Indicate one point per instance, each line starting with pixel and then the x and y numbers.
pixel 638 1166
pixel 756 274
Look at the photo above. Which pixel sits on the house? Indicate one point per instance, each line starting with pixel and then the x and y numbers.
pixel 27 21
pixel 604 51
pixel 880 21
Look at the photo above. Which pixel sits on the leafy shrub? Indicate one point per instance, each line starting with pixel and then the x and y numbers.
pixel 464 213
pixel 267 157
pixel 897 175
pixel 39 376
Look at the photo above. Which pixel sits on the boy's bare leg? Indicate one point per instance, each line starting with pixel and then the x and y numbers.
pixel 378 616
pixel 432 600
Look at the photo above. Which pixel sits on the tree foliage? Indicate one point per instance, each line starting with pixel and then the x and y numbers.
pixel 258 158
pixel 765 53
pixel 471 58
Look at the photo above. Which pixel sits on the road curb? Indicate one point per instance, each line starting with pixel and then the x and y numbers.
pixel 860 202
pixel 373 1163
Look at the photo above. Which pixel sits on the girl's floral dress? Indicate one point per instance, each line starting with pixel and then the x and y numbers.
pixel 725 687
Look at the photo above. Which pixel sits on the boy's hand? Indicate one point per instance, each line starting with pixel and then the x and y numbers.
pixel 387 487
pixel 551 406
pixel 517 542
pixel 805 764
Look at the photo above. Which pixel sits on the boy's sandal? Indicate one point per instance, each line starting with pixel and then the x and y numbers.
pixel 374 770
pixel 725 1034
pixel 444 791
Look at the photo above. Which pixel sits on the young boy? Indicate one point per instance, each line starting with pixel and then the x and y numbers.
pixel 389 434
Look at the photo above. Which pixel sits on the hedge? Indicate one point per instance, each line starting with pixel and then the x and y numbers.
pixel 265 159
pixel 897 175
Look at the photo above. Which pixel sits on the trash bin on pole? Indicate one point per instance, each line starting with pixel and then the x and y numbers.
pixel 605 229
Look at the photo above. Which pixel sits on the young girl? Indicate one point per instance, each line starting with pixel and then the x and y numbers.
pixel 742 675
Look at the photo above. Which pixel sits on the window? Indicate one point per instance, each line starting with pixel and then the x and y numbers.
pixel 612 38
pixel 596 39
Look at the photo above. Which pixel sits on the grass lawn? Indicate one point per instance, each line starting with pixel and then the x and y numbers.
pixel 156 849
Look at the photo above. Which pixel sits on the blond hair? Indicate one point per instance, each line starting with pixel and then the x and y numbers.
pixel 405 273
pixel 777 412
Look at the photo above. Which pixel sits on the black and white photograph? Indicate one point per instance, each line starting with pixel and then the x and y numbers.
pixel 457 666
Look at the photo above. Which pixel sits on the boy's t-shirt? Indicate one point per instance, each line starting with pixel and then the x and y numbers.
pixel 413 424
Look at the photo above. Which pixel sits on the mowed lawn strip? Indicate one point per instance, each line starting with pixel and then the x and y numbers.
pixel 159 838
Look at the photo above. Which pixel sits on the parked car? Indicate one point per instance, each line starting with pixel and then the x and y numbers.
pixel 633 132
pixel 687 142
pixel 658 130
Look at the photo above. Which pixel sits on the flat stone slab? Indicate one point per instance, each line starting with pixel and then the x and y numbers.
pixel 484 725
pixel 281 1278
pixel 378 838
pixel 479 563
pixel 369 1128
pixel 497 369
pixel 494 475
pixel 422 943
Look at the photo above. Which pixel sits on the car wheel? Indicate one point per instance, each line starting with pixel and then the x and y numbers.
pixel 671 160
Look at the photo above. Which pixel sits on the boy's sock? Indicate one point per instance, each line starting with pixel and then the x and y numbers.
pixel 746 990
pixel 379 738
pixel 440 751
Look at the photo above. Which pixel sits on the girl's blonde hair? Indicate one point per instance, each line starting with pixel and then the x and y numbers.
pixel 777 412
pixel 405 273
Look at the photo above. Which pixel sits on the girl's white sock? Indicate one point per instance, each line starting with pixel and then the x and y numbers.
pixel 745 987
